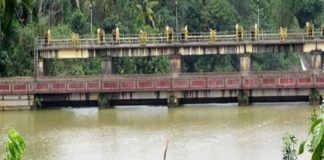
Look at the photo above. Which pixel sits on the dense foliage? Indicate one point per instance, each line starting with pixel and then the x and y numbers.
pixel 315 139
pixel 21 21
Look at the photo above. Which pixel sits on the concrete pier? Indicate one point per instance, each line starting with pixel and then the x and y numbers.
pixel 16 102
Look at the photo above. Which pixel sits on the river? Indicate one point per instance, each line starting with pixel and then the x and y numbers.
pixel 195 132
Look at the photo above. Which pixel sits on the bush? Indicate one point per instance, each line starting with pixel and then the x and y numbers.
pixel 79 23
pixel 315 139
pixel 15 147
pixel 110 23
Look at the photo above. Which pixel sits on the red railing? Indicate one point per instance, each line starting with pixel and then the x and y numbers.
pixel 140 83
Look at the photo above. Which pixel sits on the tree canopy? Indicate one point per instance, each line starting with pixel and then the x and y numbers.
pixel 23 20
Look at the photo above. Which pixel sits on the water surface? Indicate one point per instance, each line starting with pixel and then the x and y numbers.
pixel 196 132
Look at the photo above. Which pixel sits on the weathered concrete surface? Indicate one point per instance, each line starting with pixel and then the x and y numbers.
pixel 175 65
pixel 106 65
pixel 279 92
pixel 165 95
pixel 69 97
pixel 40 67
pixel 181 49
pixel 312 46
pixel 65 53
pixel 210 94
pixel 316 58
pixel 245 63
pixel 16 102
pixel 159 87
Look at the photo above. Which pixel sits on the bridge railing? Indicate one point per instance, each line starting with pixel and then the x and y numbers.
pixel 159 38
pixel 184 82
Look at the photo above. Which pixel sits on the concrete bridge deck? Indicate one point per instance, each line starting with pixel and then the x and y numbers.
pixel 24 90
pixel 151 83
pixel 195 44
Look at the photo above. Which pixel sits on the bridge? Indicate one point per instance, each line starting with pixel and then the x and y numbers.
pixel 175 45
pixel 139 88
pixel 109 89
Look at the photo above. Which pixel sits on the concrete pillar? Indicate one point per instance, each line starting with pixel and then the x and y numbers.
pixel 16 102
pixel 172 101
pixel 314 97
pixel 245 63
pixel 175 64
pixel 316 57
pixel 40 67
pixel 106 65
pixel 104 101
pixel 243 98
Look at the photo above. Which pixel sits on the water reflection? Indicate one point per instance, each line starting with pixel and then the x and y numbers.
pixel 195 131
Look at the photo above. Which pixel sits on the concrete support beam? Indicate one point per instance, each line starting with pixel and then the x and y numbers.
pixel 245 63
pixel 65 53
pixel 314 97
pixel 316 57
pixel 243 98
pixel 172 101
pixel 40 67
pixel 104 101
pixel 175 64
pixel 16 102
pixel 106 65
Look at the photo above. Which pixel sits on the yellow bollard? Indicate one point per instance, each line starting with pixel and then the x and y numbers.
pixel 255 32
pixel 143 37
pixel 169 33
pixel 184 33
pixel 239 32
pixel 283 33
pixel 310 31
pixel 212 36
pixel 101 36
pixel 75 39
pixel 49 34
pixel 116 35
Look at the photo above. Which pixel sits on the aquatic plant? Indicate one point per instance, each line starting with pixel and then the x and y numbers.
pixel 315 139
pixel 15 147
pixel 289 147
pixel 103 101
pixel 314 97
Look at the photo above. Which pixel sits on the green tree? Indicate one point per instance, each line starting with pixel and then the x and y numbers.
pixel 16 51
pixel 110 23
pixel 72 67
pixel 211 63
pixel 310 11
pixel 288 11
pixel 8 9
pixel 194 15
pixel 145 7
pixel 164 17
pixel 79 22
pixel 220 14
pixel 142 65
pixel 15 147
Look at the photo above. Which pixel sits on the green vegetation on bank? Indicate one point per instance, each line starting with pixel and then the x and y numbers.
pixel 315 140
pixel 276 62
pixel 21 21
